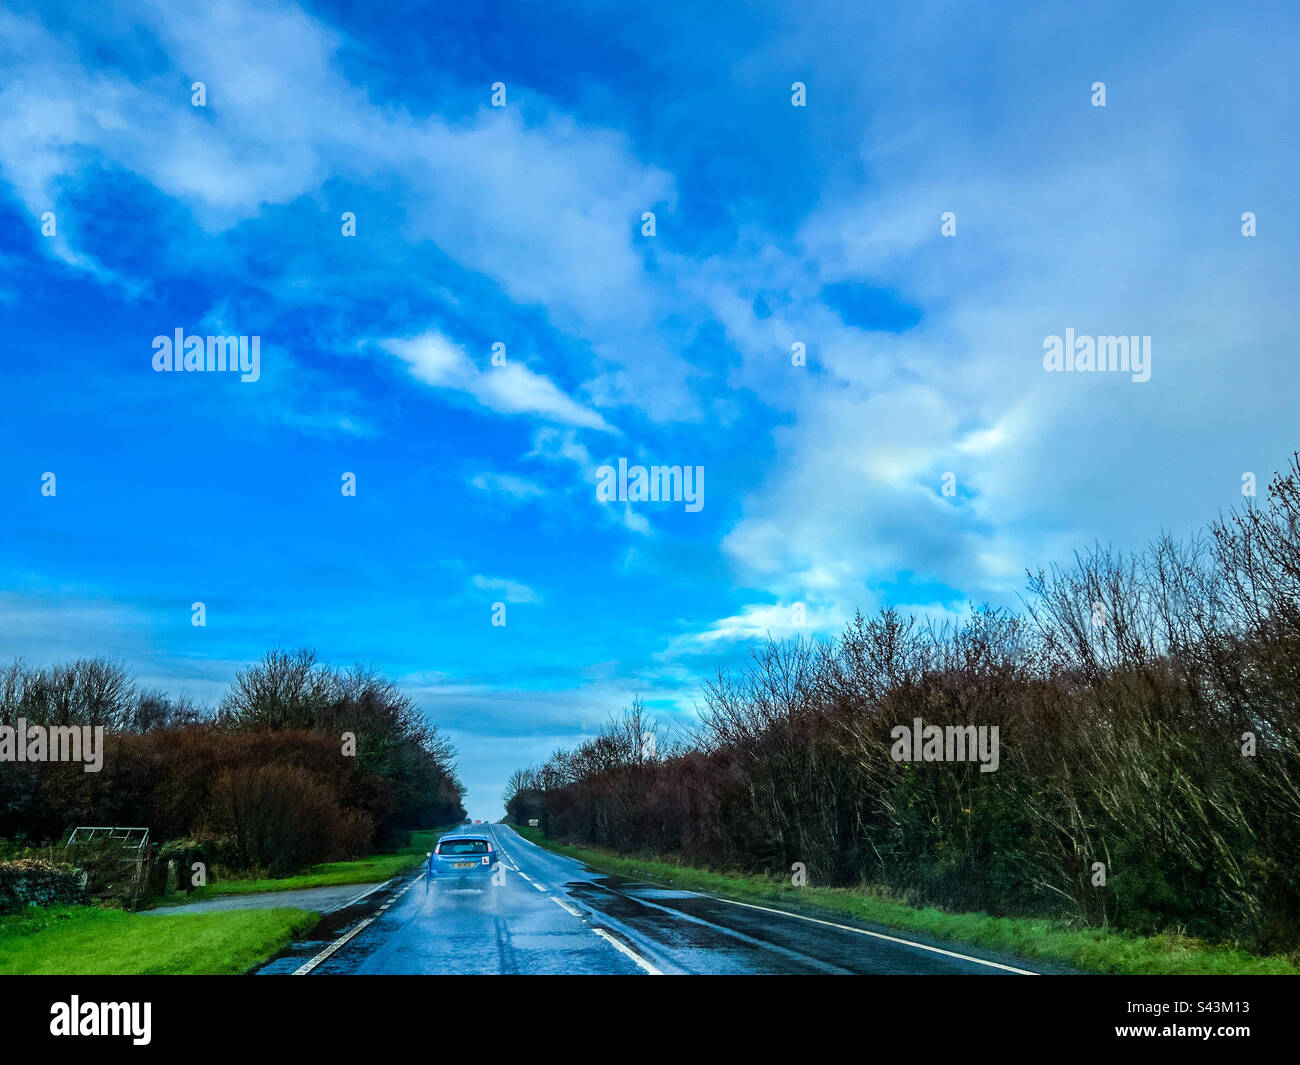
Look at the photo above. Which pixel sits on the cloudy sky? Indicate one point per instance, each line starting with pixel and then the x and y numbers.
pixel 128 212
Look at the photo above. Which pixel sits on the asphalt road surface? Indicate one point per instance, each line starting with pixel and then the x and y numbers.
pixel 554 915
pixel 324 900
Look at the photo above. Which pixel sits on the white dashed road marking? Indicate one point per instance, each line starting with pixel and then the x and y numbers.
pixel 622 949
pixel 618 945
pixel 344 939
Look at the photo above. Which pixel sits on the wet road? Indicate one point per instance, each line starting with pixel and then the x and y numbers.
pixel 554 915
pixel 323 900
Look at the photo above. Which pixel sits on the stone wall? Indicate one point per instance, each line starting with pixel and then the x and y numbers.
pixel 36 882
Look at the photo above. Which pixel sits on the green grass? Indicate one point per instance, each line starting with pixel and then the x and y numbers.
pixel 1093 949
pixel 366 870
pixel 86 940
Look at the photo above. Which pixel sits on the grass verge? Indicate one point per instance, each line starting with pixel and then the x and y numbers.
pixel 1094 949
pixel 86 940
pixel 368 870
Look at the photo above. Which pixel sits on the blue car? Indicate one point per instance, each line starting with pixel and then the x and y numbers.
pixel 463 861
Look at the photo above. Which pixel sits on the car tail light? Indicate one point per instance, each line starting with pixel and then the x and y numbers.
pixel 437 849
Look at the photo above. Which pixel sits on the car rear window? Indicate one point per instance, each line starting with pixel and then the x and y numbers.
pixel 463 846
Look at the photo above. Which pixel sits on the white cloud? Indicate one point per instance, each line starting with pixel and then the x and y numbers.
pixel 548 209
pixel 508 484
pixel 756 622
pixel 509 389
pixel 1053 231
pixel 565 449
pixel 557 445
pixel 510 591
pixel 515 389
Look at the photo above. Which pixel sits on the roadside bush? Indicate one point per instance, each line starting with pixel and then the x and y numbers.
pixel 169 765
pixel 1149 716
pixel 176 782
pixel 283 818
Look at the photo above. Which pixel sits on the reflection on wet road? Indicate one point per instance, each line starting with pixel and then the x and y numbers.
pixel 555 915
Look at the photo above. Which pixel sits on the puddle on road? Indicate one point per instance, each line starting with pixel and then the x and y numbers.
pixel 646 891
pixel 634 889
pixel 637 888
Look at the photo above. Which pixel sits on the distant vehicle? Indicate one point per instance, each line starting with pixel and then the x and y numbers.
pixel 533 822
pixel 462 860
pixel 467 821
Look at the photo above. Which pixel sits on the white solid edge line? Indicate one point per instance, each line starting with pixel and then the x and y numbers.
pixel 307 967
pixel 357 898
pixel 830 924
pixel 625 949
pixel 877 935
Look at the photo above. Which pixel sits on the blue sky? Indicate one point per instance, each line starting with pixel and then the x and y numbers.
pixel 522 225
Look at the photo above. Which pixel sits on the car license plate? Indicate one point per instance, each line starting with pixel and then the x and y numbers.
pixel 463 865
